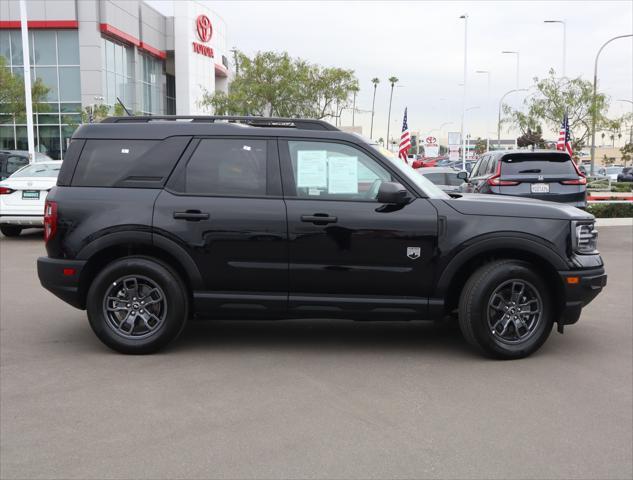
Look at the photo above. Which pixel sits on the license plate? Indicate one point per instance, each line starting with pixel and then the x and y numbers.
pixel 540 188
pixel 31 194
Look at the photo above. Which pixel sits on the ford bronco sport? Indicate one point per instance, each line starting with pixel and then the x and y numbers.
pixel 157 220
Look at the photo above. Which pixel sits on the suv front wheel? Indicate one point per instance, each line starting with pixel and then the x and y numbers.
pixel 505 309
pixel 137 305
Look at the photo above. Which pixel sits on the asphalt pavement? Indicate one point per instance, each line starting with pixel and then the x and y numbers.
pixel 311 399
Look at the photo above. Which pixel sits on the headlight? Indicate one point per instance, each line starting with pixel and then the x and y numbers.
pixel 584 237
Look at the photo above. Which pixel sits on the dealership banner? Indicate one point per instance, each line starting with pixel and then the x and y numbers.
pixel 454 144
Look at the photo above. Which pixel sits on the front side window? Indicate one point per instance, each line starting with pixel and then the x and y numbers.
pixel 334 171
pixel 227 167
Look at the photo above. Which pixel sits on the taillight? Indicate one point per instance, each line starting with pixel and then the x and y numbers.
pixel 496 182
pixel 581 180
pixel 6 191
pixel 50 220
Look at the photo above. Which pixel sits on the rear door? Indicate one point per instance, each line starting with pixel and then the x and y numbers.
pixel 347 252
pixel 224 205
pixel 546 176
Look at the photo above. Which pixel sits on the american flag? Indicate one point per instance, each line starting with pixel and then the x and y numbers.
pixel 564 138
pixel 405 139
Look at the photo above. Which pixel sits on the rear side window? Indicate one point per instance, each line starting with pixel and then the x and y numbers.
pixel 14 163
pixel 227 167
pixel 537 164
pixel 127 163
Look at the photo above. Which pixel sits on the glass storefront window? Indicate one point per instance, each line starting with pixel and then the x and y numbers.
pixel 118 73
pixel 151 84
pixel 55 57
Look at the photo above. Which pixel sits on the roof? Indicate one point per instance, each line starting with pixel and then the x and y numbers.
pixel 437 170
pixel 526 152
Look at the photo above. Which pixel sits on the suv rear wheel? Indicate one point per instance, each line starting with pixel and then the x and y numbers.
pixel 505 310
pixel 10 230
pixel 137 305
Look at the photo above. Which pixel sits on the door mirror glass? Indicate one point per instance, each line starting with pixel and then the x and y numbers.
pixel 392 193
pixel 463 175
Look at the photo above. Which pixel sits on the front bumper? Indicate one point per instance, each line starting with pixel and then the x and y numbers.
pixel 61 278
pixel 581 287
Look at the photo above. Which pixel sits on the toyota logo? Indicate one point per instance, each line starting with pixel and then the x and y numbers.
pixel 431 140
pixel 205 30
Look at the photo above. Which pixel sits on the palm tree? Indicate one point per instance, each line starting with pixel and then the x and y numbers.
pixel 355 90
pixel 392 81
pixel 381 141
pixel 375 81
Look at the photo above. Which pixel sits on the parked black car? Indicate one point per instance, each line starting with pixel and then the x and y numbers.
pixel 155 221
pixel 541 174
pixel 626 175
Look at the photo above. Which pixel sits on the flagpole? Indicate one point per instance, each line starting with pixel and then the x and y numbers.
pixel 27 80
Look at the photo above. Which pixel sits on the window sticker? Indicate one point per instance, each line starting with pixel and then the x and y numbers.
pixel 343 174
pixel 311 169
pixel 125 150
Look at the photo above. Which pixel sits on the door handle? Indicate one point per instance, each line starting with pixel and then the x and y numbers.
pixel 319 219
pixel 191 215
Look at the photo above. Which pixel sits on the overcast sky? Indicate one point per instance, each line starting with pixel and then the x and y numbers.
pixel 422 43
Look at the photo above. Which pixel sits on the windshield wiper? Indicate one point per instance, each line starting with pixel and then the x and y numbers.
pixel 533 170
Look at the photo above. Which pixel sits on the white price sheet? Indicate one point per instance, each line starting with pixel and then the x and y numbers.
pixel 343 175
pixel 311 169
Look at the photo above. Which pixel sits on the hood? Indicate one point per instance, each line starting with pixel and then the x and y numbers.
pixel 507 206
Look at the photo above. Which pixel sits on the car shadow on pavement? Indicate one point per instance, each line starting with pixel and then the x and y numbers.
pixel 28 234
pixel 323 335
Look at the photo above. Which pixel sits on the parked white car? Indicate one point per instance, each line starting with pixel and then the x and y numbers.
pixel 610 172
pixel 23 194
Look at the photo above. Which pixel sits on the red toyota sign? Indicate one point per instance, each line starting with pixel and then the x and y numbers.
pixel 205 30
pixel 431 140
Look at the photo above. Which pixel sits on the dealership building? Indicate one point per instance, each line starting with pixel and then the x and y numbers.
pixel 89 52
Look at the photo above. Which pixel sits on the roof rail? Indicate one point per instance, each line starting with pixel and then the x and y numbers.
pixel 301 123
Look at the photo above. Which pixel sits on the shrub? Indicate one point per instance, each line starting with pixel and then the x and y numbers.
pixel 611 210
pixel 622 187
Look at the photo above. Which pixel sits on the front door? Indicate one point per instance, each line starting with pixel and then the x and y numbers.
pixel 224 205
pixel 347 252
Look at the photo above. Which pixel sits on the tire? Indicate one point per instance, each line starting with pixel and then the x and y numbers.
pixel 10 230
pixel 137 305
pixel 486 310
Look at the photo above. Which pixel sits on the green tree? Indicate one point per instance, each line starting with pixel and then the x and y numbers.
pixel 480 146
pixel 555 96
pixel 12 99
pixel 532 138
pixel 275 84
pixel 627 152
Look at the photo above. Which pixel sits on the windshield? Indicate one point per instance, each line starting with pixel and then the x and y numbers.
pixel 431 190
pixel 38 170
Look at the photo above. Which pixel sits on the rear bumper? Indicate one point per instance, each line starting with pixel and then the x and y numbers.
pixel 61 278
pixel 23 220
pixel 581 287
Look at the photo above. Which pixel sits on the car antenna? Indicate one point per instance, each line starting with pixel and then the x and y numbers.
pixel 126 110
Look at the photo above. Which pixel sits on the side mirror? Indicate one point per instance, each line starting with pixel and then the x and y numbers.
pixel 463 175
pixel 393 193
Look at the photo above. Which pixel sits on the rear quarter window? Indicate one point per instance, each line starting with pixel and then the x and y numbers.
pixel 127 163
pixel 537 164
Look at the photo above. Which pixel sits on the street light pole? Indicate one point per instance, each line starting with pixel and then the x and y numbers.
pixel 28 100
pixel 562 22
pixel 488 112
pixel 514 52
pixel 499 118
pixel 593 110
pixel 463 139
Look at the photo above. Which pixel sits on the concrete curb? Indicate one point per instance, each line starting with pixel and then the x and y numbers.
pixel 614 222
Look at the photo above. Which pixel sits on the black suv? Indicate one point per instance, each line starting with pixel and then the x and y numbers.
pixel 542 174
pixel 157 220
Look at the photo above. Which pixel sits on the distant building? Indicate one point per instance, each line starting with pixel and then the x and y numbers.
pixel 89 52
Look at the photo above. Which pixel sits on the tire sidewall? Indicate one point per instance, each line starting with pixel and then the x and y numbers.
pixel 11 230
pixel 165 278
pixel 479 313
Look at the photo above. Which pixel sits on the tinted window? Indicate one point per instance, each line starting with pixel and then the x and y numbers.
pixel 478 165
pixel 227 167
pixel 39 170
pixel 437 178
pixel 127 163
pixel 14 163
pixel 324 170
pixel 452 180
pixel 537 164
